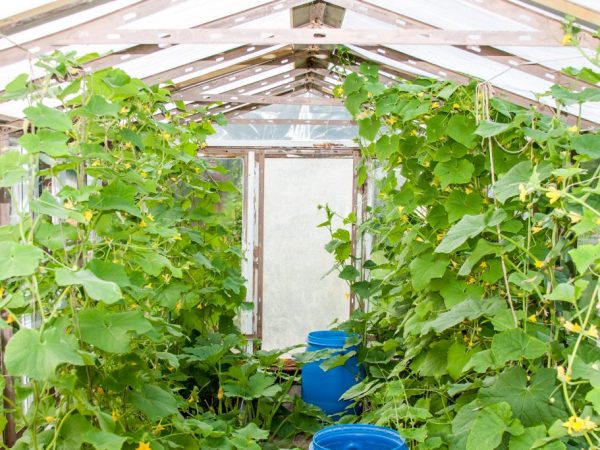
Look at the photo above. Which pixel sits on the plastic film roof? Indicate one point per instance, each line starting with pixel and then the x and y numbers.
pixel 275 82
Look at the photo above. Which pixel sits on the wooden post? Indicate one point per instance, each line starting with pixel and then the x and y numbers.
pixel 10 433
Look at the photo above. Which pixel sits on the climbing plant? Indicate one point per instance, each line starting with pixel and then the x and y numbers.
pixel 482 283
pixel 120 273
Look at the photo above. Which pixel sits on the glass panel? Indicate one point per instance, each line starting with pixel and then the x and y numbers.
pixel 299 293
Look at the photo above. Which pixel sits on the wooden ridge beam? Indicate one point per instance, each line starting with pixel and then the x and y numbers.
pixel 268 100
pixel 421 36
pixel 338 122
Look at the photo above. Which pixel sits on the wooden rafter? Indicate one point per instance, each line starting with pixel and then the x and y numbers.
pixel 572 9
pixel 420 36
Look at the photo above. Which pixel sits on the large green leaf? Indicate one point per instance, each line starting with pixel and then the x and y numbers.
pixel 482 248
pixel 99 106
pixel 48 204
pixel 109 271
pixel 587 144
pixel 508 184
pixel 490 425
pixel 584 256
pixel 462 130
pixel 104 440
pixel 18 260
pixel 258 385
pixel 17 88
pixel 512 345
pixel 155 402
pixel 53 143
pixel 37 356
pixel 95 287
pixel 45 117
pixel 119 196
pixel 470 309
pixel 468 227
pixel 424 268
pixel 12 168
pixel 460 203
pixel 109 331
pixel 531 403
pixel 488 128
pixel 455 171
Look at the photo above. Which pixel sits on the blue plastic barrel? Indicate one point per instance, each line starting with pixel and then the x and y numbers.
pixel 357 437
pixel 324 388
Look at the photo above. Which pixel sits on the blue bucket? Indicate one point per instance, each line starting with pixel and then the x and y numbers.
pixel 357 437
pixel 324 388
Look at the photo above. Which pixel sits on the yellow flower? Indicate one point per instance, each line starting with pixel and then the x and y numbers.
pixel 10 319
pixel 166 277
pixel 567 39
pixel 579 425
pixel 158 428
pixel 532 318
pixel 404 218
pixel 143 224
pixel 96 163
pixel 536 229
pixel 1 291
pixel 435 105
pixel 592 332
pixel 413 132
pixel 115 415
pixel 150 217
pixel 123 110
pixel 144 174
pixel 69 204
pixel 100 390
pixel 369 94
pixel 561 375
pixel 177 237
pixel 455 106
pixel 144 446
pixel 420 94
pixel 574 217
pixel 49 419
pixel 400 209
pixel 338 90
pixel 522 193
pixel 128 146
pixel 166 136
pixel 471 280
pixel 203 145
pixel 391 120
pixel 148 286
pixel 440 236
pixel 483 265
pixel 178 305
pixel 87 215
pixel 221 393
pixel 539 264
pixel 419 239
pixel 468 190
pixel 553 194
pixel 598 221
pixel 572 327
pixel 127 165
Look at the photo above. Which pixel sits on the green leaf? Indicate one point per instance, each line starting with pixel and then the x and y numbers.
pixel 155 402
pixel 526 440
pixel 455 171
pixel 584 256
pixel 96 288
pixel 53 143
pixel 352 83
pixel 258 385
pixel 103 440
pixel 117 196
pixel 151 262
pixel 481 361
pixel 424 268
pixel 386 146
pixel 507 185
pixel 109 331
pixel 469 309
pixel 17 88
pixel 349 273
pixel 490 425
pixel 13 167
pixel 37 356
pixel 109 271
pixel 368 127
pixel 586 144
pixel 489 128
pixel 462 130
pixel 460 203
pixel 530 402
pixel 468 227
pixel 528 281
pixel 99 106
pixel 457 358
pixel 48 204
pixel 44 117
pixel 482 248
pixel 512 345
pixel 18 260
pixel 563 292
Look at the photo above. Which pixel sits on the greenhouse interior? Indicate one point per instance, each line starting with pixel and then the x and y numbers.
pixel 300 224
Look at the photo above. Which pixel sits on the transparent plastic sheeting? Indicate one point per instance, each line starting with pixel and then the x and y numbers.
pixel 301 293
pixel 297 132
